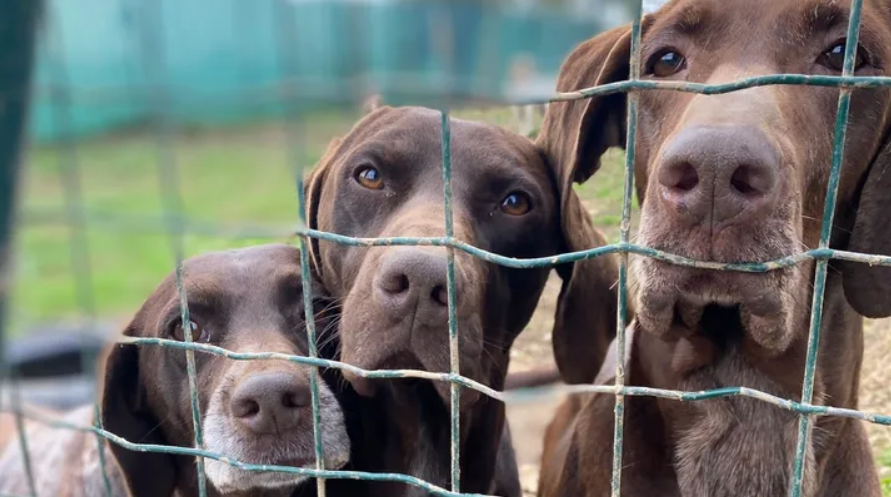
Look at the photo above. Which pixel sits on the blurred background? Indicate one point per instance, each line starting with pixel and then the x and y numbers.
pixel 165 127
pixel 201 113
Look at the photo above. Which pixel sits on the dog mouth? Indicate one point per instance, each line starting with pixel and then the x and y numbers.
pixel 676 301
pixel 406 360
pixel 367 387
pixel 230 479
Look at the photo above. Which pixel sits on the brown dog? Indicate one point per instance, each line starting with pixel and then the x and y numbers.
pixel 384 179
pixel 257 412
pixel 733 178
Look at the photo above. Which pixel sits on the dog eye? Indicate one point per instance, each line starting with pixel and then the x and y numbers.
pixel 370 178
pixel 516 204
pixel 666 63
pixel 199 334
pixel 834 57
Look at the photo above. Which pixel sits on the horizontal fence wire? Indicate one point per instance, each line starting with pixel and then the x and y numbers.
pixel 408 85
pixel 176 226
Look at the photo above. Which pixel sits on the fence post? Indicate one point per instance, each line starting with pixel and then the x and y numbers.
pixel 18 28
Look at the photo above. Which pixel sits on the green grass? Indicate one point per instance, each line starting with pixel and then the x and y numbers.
pixel 884 461
pixel 232 178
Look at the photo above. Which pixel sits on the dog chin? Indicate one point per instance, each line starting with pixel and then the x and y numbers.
pixel 229 479
pixel 367 387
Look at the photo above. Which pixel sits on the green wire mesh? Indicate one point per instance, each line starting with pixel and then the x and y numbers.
pixel 176 227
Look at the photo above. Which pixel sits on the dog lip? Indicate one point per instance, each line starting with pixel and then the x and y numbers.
pixel 297 462
pixel 363 386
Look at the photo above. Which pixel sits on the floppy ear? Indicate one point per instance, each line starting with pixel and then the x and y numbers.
pixel 313 183
pixel 574 136
pixel 125 413
pixel 868 288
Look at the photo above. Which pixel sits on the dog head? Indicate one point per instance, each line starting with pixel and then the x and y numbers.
pixel 256 412
pixel 740 177
pixel 384 179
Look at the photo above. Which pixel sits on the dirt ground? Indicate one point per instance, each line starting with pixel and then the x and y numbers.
pixel 533 350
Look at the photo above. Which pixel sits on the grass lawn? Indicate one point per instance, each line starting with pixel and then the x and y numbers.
pixel 229 180
pixel 885 464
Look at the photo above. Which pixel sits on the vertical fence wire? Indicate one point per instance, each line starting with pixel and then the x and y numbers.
pixel 454 358
pixel 73 201
pixel 306 276
pixel 619 423
pixel 813 344
pixel 16 402
pixel 286 48
pixel 153 54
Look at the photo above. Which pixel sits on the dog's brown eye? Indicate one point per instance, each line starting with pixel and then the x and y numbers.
pixel 666 63
pixel 199 334
pixel 516 204
pixel 370 178
pixel 834 58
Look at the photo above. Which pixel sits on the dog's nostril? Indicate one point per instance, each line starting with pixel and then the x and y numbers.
pixel 246 408
pixel 747 181
pixel 440 295
pixel 395 284
pixel 688 178
pixel 402 283
pixel 290 400
pixel 681 177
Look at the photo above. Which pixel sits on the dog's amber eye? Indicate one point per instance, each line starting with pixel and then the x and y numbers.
pixel 199 334
pixel 516 204
pixel 370 178
pixel 834 58
pixel 666 63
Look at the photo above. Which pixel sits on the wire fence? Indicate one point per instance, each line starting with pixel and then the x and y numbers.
pixel 176 227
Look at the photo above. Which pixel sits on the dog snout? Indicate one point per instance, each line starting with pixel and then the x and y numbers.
pixel 413 282
pixel 270 403
pixel 720 173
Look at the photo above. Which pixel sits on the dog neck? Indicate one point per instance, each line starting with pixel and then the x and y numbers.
pixel 403 429
pixel 729 436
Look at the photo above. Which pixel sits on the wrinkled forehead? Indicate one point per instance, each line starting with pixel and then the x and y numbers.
pixel 227 281
pixel 766 26
pixel 479 151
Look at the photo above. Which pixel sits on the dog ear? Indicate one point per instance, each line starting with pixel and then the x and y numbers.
pixel 313 184
pixel 125 413
pixel 575 133
pixel 574 136
pixel 868 288
pixel 372 103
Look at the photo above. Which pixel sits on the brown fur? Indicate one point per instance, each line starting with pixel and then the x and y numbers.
pixel 699 329
pixel 404 424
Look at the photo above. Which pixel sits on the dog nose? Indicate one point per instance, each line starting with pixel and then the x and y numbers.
pixel 718 173
pixel 413 282
pixel 270 403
